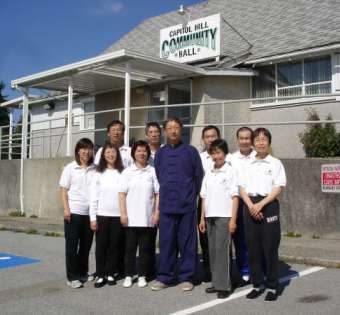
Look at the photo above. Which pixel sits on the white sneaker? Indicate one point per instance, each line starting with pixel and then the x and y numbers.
pixel 245 278
pixel 127 282
pixel 75 284
pixel 142 282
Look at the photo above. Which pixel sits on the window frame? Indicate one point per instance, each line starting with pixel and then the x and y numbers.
pixel 303 86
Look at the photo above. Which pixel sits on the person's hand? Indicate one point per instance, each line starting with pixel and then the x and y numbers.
pixel 258 217
pixel 94 225
pixel 124 219
pixel 202 227
pixel 232 226
pixel 256 209
pixel 67 215
pixel 155 218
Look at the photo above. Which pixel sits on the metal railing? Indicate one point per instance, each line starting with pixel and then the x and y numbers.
pixel 216 113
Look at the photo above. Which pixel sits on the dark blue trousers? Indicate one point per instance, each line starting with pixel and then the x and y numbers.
pixel 177 232
pixel 239 240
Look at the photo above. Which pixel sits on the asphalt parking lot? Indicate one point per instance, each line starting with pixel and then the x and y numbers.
pixel 39 287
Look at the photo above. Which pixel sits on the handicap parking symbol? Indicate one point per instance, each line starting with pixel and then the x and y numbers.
pixel 9 260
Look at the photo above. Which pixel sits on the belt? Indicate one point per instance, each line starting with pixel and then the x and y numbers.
pixel 255 195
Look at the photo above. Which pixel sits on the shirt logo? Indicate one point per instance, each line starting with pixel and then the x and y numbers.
pixel 272 219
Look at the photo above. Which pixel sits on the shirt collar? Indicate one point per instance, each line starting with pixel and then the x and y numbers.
pixel 77 166
pixel 135 168
pixel 223 169
pixel 123 148
pixel 174 146
pixel 242 156
pixel 206 155
pixel 267 159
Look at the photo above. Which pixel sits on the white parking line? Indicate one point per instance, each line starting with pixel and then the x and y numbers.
pixel 5 258
pixel 237 295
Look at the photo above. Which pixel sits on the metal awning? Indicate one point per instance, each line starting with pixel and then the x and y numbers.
pixel 107 72
pixel 122 69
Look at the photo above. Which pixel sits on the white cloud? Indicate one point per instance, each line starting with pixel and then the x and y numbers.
pixel 104 7
pixel 114 6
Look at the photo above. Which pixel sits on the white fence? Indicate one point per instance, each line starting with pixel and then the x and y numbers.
pixel 286 115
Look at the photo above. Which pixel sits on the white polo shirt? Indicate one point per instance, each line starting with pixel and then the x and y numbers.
pixel 140 186
pixel 239 162
pixel 207 161
pixel 151 160
pixel 125 153
pixel 105 194
pixel 218 187
pixel 77 180
pixel 261 176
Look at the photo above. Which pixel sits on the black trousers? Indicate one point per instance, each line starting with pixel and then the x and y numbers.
pixel 108 235
pixel 203 241
pixel 78 241
pixel 152 267
pixel 141 238
pixel 121 253
pixel 263 238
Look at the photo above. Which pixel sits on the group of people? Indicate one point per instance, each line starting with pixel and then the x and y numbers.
pixel 128 195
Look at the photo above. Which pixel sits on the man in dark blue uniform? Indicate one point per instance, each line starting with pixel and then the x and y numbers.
pixel 179 171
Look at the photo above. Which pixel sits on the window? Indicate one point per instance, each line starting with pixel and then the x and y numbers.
pixel 87 121
pixel 264 83
pixel 310 76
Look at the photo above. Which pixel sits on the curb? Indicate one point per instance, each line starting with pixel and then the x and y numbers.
pixel 311 261
pixel 32 231
pixel 328 263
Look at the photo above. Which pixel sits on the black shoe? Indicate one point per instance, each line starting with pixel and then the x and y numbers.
pixel 253 294
pixel 243 283
pixel 210 290
pixel 111 280
pixel 206 276
pixel 223 294
pixel 270 296
pixel 100 282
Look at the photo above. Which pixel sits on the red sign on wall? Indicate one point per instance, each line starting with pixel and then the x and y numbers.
pixel 330 178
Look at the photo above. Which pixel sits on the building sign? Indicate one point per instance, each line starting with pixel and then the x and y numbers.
pixel 196 40
pixel 330 178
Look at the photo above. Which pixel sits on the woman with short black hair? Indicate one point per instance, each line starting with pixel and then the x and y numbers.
pixel 260 185
pixel 74 185
pixel 138 202
pixel 218 217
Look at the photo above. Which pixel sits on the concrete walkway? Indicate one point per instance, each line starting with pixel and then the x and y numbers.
pixel 324 251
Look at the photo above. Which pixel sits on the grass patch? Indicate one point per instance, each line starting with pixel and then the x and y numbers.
pixel 31 231
pixel 3 228
pixel 16 213
pixel 53 234
pixel 293 234
pixel 33 216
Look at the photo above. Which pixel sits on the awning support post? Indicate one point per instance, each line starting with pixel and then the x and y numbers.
pixel 24 130
pixel 127 104
pixel 10 142
pixel 69 119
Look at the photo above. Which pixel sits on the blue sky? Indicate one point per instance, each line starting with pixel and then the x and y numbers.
pixel 37 35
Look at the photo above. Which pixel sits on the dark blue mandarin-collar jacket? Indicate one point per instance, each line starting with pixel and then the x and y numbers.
pixel 179 171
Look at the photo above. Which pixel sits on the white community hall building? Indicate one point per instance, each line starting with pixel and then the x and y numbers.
pixel 224 62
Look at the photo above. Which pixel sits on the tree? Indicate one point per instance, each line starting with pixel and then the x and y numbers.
pixel 4 119
pixel 320 140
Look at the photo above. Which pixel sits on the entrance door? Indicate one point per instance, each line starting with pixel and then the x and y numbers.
pixel 176 92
